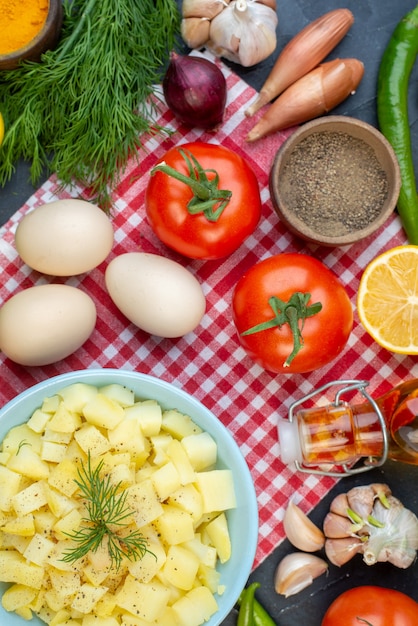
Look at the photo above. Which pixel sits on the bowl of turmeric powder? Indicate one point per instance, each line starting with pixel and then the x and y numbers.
pixel 29 28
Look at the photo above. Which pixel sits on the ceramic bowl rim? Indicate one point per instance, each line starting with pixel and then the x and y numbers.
pixel 236 570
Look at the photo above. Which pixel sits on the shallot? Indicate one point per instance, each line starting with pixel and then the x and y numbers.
pixel 195 91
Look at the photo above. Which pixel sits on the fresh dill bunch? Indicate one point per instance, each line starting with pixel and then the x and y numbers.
pixel 107 515
pixel 81 111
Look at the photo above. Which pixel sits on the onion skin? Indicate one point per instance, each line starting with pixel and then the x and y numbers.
pixel 195 91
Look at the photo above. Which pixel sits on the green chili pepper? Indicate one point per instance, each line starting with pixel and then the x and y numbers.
pixel 260 616
pixel 246 609
pixel 392 112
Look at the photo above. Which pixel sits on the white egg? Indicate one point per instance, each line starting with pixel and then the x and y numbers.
pixel 64 238
pixel 46 323
pixel 156 294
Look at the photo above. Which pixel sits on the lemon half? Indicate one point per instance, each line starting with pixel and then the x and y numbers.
pixel 387 299
pixel 1 129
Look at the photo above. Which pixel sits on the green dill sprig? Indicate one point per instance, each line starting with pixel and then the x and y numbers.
pixel 106 520
pixel 82 110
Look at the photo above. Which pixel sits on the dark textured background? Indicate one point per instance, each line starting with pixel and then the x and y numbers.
pixel 374 23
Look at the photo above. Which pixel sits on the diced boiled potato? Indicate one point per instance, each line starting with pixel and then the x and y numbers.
pixel 218 533
pixel 122 475
pixel 60 618
pixel 143 501
pixel 106 605
pixel 119 394
pixel 50 404
pixel 178 456
pixel 38 550
pixel 44 522
pixel 146 568
pixel 23 526
pixel 181 567
pixel 127 437
pixel 15 542
pixel 65 583
pixel 206 554
pixel 209 577
pixel 9 486
pixel 130 620
pixel 87 597
pixel 103 412
pixel 58 503
pixel 195 607
pixel 38 420
pixel 56 437
pixel 201 450
pixel 30 499
pixel 77 395
pixel 217 489
pixel 15 569
pixel 27 462
pixel 53 452
pixel 178 424
pixel 95 620
pixel 54 600
pixel 93 575
pixel 68 524
pixel 175 525
pixel 160 445
pixel 146 601
pixel 62 477
pixel 64 420
pixel 189 499
pixel 148 414
pixel 91 440
pixel 21 435
pixel 166 480
pixel 168 618
pixel 17 596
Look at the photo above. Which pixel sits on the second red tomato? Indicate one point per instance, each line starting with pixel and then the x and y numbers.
pixel 292 314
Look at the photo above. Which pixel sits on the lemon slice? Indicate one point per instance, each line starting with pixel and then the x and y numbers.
pixel 1 129
pixel 387 299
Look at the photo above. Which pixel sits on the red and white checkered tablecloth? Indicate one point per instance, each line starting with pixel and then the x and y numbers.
pixel 209 362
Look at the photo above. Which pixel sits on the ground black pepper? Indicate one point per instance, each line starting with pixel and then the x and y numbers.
pixel 334 183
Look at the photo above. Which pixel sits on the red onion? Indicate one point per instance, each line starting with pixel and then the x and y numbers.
pixel 195 91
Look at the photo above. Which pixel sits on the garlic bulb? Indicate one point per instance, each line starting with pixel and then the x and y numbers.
pixel 370 521
pixel 244 32
pixel 297 571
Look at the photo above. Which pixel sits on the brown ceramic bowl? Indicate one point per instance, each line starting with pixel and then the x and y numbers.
pixel 46 39
pixel 335 180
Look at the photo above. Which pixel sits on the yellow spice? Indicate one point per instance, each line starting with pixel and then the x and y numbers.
pixel 20 22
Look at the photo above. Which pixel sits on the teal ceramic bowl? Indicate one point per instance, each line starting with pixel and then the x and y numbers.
pixel 242 521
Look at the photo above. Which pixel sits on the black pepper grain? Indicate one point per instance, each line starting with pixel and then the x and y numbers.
pixel 334 183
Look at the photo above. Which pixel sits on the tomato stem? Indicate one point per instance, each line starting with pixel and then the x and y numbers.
pixel 294 312
pixel 207 197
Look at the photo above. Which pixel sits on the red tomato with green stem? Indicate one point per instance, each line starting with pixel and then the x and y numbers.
pixel 372 606
pixel 203 200
pixel 292 314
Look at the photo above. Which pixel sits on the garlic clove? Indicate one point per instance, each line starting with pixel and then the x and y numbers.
pixel 340 551
pixel 203 8
pixel 297 571
pixel 301 531
pixel 337 526
pixel 339 505
pixel 195 31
